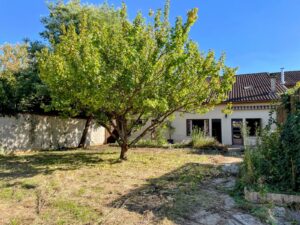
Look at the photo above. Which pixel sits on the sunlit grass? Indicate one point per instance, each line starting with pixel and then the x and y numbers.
pixel 94 187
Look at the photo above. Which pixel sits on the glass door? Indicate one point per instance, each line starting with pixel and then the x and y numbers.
pixel 237 136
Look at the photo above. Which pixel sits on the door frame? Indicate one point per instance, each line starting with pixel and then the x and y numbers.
pixel 220 128
pixel 242 120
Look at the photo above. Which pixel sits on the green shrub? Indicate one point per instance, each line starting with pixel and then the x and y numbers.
pixel 275 162
pixel 290 140
pixel 201 140
pixel 158 139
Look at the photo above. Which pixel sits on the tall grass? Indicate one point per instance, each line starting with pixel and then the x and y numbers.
pixel 201 140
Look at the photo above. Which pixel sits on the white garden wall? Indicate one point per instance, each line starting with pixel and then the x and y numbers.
pixel 27 131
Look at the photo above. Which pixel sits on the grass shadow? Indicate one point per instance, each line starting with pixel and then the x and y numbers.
pixel 214 152
pixel 29 165
pixel 175 195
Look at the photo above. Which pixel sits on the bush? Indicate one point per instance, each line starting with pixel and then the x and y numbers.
pixel 290 159
pixel 275 162
pixel 260 163
pixel 201 140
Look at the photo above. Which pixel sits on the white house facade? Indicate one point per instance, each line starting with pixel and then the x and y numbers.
pixel 225 128
pixel 253 97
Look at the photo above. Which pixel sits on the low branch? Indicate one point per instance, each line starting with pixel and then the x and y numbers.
pixel 159 120
pixel 109 131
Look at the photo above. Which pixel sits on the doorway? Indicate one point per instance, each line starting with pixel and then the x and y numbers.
pixel 237 136
pixel 217 129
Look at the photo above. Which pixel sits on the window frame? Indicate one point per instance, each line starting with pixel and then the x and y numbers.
pixel 189 126
pixel 257 129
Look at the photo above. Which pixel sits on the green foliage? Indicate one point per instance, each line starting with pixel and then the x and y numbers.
pixel 124 71
pixel 31 93
pixel 290 137
pixel 158 138
pixel 21 89
pixel 275 163
pixel 201 140
pixel 7 96
pixel 62 16
pixel 13 59
pixel 228 109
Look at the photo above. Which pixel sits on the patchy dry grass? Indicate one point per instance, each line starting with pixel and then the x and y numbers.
pixel 92 187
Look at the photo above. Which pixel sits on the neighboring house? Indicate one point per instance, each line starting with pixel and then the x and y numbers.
pixel 253 96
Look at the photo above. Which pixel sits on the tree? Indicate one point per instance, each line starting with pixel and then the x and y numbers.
pixel 66 15
pixel 69 14
pixel 13 59
pixel 21 89
pixel 132 76
pixel 32 93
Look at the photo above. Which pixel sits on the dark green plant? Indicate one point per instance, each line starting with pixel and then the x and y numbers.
pixel 275 162
pixel 21 89
pixel 261 163
pixel 290 141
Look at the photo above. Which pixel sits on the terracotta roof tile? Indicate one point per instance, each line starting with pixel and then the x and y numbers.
pixel 256 87
pixel 291 78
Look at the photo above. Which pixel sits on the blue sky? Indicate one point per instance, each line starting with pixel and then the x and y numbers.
pixel 257 35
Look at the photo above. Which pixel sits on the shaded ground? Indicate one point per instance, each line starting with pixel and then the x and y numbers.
pixel 91 187
pixel 186 196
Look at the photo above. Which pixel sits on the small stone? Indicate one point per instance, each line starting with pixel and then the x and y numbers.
pixel 232 222
pixel 231 169
pixel 293 215
pixel 229 203
pixel 199 214
pixel 211 219
pixel 230 184
pixel 218 181
pixel 246 219
pixel 278 211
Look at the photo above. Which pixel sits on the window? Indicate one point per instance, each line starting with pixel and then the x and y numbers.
pixel 202 125
pixel 253 126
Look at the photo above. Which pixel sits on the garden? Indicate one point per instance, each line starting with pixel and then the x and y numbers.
pixel 130 76
pixel 156 186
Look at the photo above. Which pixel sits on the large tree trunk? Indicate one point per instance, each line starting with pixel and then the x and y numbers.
pixel 88 123
pixel 124 149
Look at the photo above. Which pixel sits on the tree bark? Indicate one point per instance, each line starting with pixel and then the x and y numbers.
pixel 124 149
pixel 88 123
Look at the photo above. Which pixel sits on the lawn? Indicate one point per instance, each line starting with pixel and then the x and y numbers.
pixel 154 186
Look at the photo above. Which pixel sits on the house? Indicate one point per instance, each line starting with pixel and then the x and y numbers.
pixel 253 96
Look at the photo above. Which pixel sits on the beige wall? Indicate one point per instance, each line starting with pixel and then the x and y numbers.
pixel 28 131
pixel 180 122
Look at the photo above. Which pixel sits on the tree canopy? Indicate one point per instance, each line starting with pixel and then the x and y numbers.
pixel 61 14
pixel 21 89
pixel 132 75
